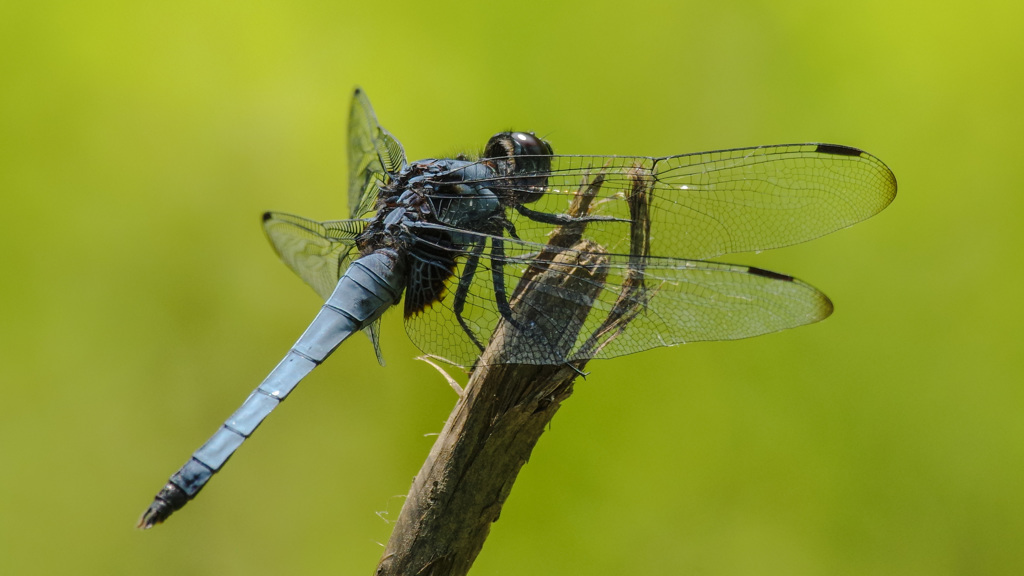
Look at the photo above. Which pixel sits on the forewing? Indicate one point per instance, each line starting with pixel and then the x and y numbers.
pixel 620 305
pixel 319 252
pixel 373 156
pixel 712 203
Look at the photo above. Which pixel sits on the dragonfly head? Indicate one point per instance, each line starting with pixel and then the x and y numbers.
pixel 525 159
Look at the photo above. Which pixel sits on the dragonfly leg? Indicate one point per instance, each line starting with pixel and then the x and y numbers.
pixel 508 226
pixel 529 331
pixel 498 278
pixel 472 263
pixel 575 369
pixel 562 219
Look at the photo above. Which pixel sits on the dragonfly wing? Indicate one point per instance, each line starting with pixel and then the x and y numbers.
pixel 670 302
pixel 374 155
pixel 625 304
pixel 712 203
pixel 768 197
pixel 319 252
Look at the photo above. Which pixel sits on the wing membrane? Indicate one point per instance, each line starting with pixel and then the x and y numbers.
pixel 664 302
pixel 319 252
pixel 712 203
pixel 373 156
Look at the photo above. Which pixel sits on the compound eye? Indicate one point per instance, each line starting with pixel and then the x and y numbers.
pixel 500 146
pixel 511 144
pixel 528 144
pixel 523 158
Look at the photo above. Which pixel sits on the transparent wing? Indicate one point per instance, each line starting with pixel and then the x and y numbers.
pixel 621 304
pixel 712 203
pixel 374 155
pixel 319 252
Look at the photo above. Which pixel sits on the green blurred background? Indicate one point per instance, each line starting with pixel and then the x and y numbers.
pixel 140 142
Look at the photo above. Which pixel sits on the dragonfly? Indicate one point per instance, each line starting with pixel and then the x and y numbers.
pixel 464 238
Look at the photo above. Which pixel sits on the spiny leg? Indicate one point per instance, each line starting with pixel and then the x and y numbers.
pixel 498 278
pixel 472 263
pixel 562 219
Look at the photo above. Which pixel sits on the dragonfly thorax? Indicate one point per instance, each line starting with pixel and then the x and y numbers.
pixel 448 192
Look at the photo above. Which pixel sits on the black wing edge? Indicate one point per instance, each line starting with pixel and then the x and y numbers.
pixel 838 150
pixel 887 173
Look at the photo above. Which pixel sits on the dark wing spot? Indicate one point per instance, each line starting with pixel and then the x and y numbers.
pixel 769 274
pixel 837 150
pixel 267 216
